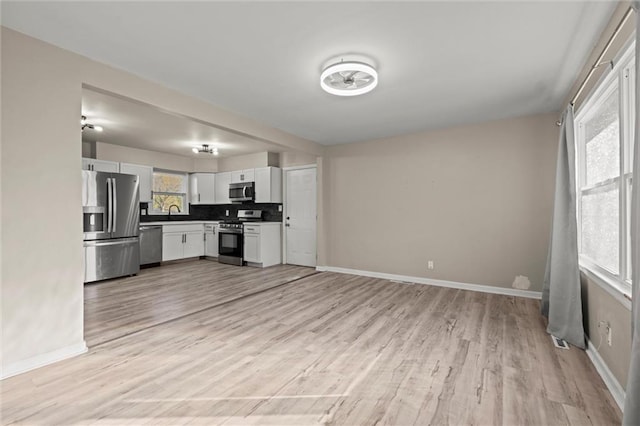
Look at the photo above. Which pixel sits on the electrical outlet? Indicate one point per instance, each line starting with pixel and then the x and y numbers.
pixel 609 333
pixel 430 264
pixel 280 208
pixel 227 212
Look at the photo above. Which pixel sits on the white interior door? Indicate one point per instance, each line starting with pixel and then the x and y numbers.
pixel 300 216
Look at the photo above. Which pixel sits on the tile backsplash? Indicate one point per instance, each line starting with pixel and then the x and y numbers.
pixel 270 212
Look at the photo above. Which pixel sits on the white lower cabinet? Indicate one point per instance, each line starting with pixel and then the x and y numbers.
pixel 211 240
pixel 252 248
pixel 172 246
pixel 182 241
pixel 193 244
pixel 262 244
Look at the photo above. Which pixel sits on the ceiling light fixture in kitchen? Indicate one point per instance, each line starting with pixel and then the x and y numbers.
pixel 85 125
pixel 349 78
pixel 205 149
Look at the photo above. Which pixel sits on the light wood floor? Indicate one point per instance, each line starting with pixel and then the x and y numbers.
pixel 118 307
pixel 325 349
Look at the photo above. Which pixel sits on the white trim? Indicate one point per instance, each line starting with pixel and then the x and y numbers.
pixel 43 359
pixel 611 287
pixel 306 166
pixel 438 283
pixel 608 378
pixel 284 207
pixel 620 79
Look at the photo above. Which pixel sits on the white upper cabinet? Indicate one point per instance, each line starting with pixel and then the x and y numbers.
pixel 241 176
pixel 202 188
pixel 222 187
pixel 268 185
pixel 145 175
pixel 100 165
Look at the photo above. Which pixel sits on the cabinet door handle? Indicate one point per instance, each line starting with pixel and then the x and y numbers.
pixel 198 197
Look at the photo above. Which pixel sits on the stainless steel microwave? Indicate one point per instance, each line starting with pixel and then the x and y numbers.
pixel 241 192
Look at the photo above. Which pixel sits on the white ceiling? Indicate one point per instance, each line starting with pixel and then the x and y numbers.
pixel 137 125
pixel 440 63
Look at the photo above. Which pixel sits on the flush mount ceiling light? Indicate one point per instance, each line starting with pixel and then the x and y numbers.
pixel 349 78
pixel 205 149
pixel 85 125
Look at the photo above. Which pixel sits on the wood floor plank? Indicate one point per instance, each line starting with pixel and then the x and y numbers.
pixel 117 307
pixel 327 349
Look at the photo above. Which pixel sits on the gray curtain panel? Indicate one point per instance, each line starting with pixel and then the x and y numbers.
pixel 632 400
pixel 561 297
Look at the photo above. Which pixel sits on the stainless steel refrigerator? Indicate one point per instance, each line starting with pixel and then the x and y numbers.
pixel 111 216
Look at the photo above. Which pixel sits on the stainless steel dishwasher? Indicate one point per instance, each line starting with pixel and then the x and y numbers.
pixel 150 245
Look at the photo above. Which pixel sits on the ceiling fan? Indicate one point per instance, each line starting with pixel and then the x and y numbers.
pixel 349 78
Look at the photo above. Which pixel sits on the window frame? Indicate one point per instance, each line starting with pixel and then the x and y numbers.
pixel 621 78
pixel 185 188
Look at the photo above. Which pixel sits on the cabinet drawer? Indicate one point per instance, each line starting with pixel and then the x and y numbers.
pixel 182 228
pixel 251 229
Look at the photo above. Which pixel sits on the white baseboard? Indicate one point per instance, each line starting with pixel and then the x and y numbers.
pixel 609 379
pixel 438 283
pixel 43 359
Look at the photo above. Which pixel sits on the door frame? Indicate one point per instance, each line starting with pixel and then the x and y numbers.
pixel 284 207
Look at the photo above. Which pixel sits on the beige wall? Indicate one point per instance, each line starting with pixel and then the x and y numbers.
pixel 42 291
pixel 205 165
pixel 623 37
pixel 248 161
pixel 292 159
pixel 598 305
pixel 475 199
pixel 159 160
pixel 42 299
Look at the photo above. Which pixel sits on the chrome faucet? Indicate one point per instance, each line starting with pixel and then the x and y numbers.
pixel 173 205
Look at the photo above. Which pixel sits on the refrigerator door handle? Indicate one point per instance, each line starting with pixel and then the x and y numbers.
pixel 109 205
pixel 114 242
pixel 115 204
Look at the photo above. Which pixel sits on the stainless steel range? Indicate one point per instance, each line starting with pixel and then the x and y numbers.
pixel 231 238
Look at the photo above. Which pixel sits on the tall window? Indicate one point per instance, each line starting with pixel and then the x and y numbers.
pixel 604 133
pixel 169 189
